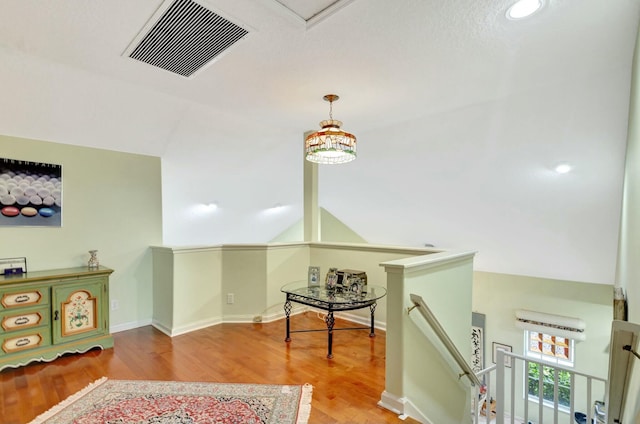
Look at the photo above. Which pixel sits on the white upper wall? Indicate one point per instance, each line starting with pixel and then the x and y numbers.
pixel 482 178
pixel 460 114
pixel 474 178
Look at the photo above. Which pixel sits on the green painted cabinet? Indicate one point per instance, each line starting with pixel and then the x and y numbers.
pixel 45 314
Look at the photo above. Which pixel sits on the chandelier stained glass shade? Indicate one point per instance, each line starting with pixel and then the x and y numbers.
pixel 330 145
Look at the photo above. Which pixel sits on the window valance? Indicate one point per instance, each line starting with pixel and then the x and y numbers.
pixel 554 325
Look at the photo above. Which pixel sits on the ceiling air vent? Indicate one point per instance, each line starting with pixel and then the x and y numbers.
pixel 184 38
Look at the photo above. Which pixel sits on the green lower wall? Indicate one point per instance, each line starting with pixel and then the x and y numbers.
pixel 284 264
pixel 187 288
pixel 255 273
pixel 112 203
pixel 244 270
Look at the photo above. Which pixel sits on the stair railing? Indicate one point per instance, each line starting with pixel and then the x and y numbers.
pixel 418 303
pixel 499 378
pixel 496 379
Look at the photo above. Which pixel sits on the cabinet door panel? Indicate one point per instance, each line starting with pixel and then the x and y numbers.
pixel 77 310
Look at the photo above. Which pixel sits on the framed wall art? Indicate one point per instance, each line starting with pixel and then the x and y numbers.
pixel 477 341
pixel 506 348
pixel 30 193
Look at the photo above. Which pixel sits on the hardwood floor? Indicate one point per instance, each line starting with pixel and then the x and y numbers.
pixel 346 388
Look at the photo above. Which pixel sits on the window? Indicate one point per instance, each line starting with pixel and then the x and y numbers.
pixel 554 350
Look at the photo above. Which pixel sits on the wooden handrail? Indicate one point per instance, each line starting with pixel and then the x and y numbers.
pixel 419 303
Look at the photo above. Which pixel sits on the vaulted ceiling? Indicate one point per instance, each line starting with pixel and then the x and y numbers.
pixel 460 113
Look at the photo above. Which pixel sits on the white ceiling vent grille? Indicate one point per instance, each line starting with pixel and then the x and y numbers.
pixel 184 38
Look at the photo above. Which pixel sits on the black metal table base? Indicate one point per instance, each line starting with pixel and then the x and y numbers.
pixel 330 321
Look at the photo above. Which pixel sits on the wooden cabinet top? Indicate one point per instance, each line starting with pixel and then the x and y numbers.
pixel 54 274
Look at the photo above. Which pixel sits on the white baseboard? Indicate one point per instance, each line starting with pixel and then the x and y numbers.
pixel 159 326
pixel 129 326
pixel 392 402
pixel 239 319
pixel 402 406
pixel 242 319
pixel 359 319
pixel 176 331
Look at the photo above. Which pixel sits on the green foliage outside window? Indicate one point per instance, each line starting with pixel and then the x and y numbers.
pixel 564 384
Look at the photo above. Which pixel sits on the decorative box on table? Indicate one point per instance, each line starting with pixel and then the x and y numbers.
pixel 345 274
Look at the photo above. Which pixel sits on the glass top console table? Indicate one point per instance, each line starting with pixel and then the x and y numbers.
pixel 331 301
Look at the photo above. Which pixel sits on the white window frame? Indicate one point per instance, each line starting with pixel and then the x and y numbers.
pixel 546 359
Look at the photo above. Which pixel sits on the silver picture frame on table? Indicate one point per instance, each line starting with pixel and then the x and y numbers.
pixel 314 276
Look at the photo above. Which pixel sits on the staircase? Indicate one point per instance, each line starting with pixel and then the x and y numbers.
pixel 586 398
pixel 445 389
pixel 504 393
pixel 500 398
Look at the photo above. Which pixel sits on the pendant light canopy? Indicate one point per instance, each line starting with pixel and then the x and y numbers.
pixel 330 145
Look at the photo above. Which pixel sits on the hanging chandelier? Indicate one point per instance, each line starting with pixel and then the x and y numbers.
pixel 330 145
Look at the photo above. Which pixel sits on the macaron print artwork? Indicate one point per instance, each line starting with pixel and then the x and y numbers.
pixel 30 193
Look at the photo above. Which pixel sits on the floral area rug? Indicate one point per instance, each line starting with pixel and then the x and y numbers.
pixel 142 402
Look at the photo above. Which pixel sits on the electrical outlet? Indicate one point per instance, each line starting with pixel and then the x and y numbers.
pixel 230 298
pixel 114 304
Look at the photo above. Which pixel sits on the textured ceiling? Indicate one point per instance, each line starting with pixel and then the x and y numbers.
pixel 388 61
pixel 460 113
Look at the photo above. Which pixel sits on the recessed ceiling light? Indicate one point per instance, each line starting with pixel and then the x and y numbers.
pixel 562 168
pixel 523 9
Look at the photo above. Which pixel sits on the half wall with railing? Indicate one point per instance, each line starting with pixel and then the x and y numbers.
pixel 422 377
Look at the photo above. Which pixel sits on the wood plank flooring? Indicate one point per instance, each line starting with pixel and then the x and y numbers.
pixel 346 388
